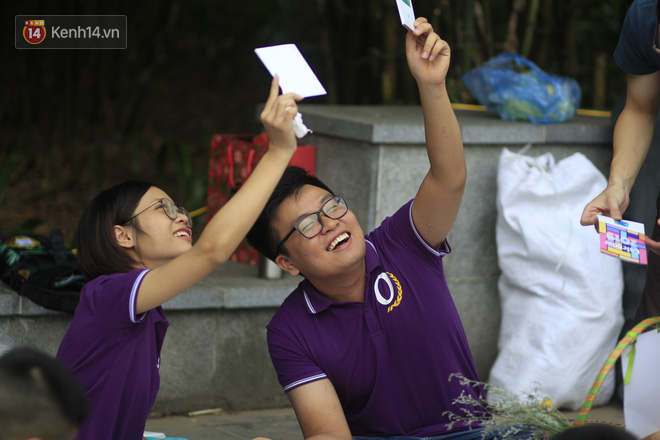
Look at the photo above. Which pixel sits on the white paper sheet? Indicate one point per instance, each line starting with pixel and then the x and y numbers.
pixel 641 397
pixel 406 13
pixel 295 74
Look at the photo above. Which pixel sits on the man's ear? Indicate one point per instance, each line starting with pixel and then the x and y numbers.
pixel 124 236
pixel 286 265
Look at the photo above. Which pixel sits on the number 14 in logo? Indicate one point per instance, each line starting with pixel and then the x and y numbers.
pixel 34 31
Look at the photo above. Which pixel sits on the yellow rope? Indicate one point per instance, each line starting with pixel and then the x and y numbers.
pixel 580 111
pixel 199 211
pixel 630 337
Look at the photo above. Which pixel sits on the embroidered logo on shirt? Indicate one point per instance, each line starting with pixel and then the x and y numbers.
pixel 393 302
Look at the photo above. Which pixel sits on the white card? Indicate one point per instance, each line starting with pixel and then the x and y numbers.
pixel 406 13
pixel 286 61
pixel 640 397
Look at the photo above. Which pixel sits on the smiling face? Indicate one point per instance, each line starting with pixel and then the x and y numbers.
pixel 337 249
pixel 161 238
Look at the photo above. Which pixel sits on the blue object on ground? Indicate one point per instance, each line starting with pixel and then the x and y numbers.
pixel 518 90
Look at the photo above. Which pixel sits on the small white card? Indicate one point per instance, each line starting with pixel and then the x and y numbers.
pixel 286 61
pixel 406 13
pixel 640 397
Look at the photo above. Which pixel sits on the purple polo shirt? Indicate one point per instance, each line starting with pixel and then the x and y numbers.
pixel 116 356
pixel 390 357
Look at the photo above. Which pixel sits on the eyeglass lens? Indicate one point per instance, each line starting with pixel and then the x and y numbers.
pixel 312 224
pixel 172 210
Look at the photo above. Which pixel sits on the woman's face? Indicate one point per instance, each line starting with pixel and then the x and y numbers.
pixel 161 238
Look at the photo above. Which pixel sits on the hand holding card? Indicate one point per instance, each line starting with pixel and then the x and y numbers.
pixel 295 75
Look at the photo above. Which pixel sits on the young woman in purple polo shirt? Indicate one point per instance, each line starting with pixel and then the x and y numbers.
pixel 135 245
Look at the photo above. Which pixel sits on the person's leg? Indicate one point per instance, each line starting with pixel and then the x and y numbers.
pixel 480 434
pixel 474 434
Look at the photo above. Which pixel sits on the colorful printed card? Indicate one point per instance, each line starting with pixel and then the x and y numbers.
pixel 406 13
pixel 622 239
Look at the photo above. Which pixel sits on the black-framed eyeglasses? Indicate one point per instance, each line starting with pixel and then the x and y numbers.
pixel 655 40
pixel 311 225
pixel 171 209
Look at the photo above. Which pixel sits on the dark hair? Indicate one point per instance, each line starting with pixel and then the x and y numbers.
pixel 594 432
pixel 263 236
pixel 98 251
pixel 39 397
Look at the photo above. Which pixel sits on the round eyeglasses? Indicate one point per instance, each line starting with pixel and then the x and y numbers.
pixel 311 225
pixel 171 209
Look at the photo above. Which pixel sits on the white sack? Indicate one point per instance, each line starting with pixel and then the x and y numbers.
pixel 560 297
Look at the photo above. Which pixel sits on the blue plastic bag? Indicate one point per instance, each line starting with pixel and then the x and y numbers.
pixel 518 90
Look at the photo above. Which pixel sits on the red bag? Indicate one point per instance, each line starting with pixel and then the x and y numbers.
pixel 232 159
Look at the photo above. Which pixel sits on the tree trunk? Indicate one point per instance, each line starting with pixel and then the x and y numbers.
pixel 511 44
pixel 600 80
pixel 532 15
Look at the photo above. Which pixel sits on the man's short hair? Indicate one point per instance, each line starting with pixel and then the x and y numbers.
pixel 263 236
pixel 39 397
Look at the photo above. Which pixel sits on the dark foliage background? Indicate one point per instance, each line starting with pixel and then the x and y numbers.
pixel 76 121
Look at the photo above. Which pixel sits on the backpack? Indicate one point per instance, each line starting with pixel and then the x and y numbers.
pixel 42 269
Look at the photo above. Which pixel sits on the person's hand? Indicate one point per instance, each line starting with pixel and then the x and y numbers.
pixel 428 55
pixel 654 436
pixel 612 202
pixel 277 117
pixel 653 246
pixel 260 438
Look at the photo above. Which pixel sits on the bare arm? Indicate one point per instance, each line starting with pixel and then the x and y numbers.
pixel 632 137
pixel 439 197
pixel 232 222
pixel 319 411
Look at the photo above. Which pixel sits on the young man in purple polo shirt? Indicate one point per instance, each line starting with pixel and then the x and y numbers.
pixel 366 344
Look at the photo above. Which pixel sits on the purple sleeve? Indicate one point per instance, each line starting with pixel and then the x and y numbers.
pixel 293 367
pixel 111 299
pixel 400 230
